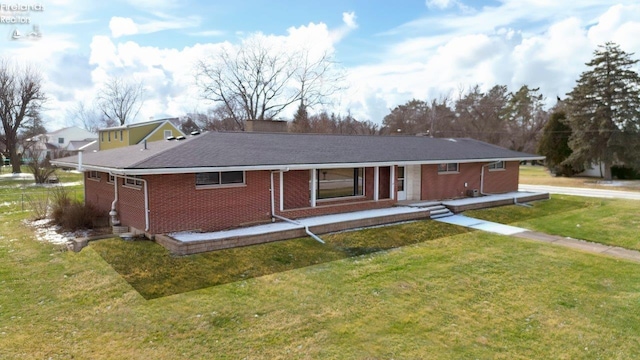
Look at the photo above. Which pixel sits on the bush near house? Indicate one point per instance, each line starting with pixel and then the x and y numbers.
pixel 72 214
pixel 624 173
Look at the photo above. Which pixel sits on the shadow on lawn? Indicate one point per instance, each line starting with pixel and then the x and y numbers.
pixel 152 271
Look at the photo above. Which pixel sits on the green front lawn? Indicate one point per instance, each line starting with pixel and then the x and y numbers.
pixel 444 293
pixel 607 221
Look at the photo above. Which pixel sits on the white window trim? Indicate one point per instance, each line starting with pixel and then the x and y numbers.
pixel 131 186
pixel 351 197
pixel 221 186
pixel 503 168
pixel 111 178
pixel 97 178
pixel 169 135
pixel 447 172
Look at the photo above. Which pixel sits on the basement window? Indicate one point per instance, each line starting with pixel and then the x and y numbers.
pixel 500 165
pixel 449 168
pixel 219 178
pixel 336 183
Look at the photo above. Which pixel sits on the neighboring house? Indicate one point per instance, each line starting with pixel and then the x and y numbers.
pixel 216 181
pixel 83 145
pixel 50 143
pixel 131 134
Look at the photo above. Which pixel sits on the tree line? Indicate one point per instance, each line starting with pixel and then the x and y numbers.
pixel 597 122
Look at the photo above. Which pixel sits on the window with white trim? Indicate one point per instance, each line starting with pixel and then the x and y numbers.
pixel 500 165
pixel 448 168
pixel 336 183
pixel 93 175
pixel 111 179
pixel 133 181
pixel 219 178
pixel 168 134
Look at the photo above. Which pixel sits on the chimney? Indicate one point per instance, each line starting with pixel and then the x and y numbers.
pixel 266 126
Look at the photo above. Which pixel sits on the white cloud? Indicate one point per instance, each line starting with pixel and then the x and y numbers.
pixel 349 19
pixel 349 24
pixel 120 26
pixel 550 55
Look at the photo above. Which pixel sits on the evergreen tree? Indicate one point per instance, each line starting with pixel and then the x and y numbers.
pixel 554 143
pixel 525 118
pixel 301 120
pixel 604 112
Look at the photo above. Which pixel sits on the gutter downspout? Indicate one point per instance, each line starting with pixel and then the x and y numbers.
pixel 515 199
pixel 275 216
pixel 114 213
pixel 482 177
pixel 146 197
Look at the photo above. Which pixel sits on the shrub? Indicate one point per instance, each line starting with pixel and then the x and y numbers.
pixel 72 214
pixel 624 173
pixel 39 206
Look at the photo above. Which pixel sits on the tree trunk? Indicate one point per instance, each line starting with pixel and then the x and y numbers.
pixel 607 171
pixel 15 161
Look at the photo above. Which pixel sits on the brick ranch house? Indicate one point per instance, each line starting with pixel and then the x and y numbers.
pixel 223 180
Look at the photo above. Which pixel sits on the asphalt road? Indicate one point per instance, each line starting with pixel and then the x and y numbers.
pixel 599 193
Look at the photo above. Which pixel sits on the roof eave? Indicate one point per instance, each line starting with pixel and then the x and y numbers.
pixel 278 167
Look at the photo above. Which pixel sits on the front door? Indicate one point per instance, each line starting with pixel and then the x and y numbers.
pixel 402 191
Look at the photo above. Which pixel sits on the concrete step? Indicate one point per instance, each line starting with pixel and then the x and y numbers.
pixel 441 215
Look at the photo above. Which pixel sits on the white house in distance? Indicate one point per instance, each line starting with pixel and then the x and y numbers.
pixel 68 138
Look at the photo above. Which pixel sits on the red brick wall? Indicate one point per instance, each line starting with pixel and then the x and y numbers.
pixel 502 181
pixel 385 175
pixel 98 193
pixel 177 205
pixel 296 189
pixel 130 205
pixel 448 186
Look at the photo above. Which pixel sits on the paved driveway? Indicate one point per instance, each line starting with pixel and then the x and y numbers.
pixel 599 193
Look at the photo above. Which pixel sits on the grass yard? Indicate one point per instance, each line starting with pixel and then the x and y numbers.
pixel 607 221
pixel 445 293
pixel 154 272
pixel 539 175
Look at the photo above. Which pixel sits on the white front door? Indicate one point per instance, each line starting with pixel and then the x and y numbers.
pixel 402 186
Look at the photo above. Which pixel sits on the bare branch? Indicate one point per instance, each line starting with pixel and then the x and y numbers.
pixel 20 95
pixel 120 100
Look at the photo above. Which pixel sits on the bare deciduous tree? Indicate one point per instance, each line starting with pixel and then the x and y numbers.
pixel 89 117
pixel 316 78
pixel 20 95
pixel 120 100
pixel 254 81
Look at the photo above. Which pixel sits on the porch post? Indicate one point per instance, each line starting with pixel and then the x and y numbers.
pixel 376 183
pixel 392 182
pixel 314 183
pixel 281 191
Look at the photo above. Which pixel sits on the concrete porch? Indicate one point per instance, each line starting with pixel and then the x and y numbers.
pixel 185 243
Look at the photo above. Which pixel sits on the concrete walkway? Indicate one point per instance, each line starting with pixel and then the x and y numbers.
pixel 502 229
pixel 583 245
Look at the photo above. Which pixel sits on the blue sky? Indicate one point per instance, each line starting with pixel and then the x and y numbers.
pixel 390 52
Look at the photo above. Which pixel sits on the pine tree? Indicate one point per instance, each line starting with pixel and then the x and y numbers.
pixel 554 143
pixel 301 120
pixel 604 112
